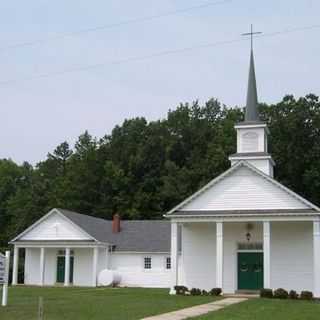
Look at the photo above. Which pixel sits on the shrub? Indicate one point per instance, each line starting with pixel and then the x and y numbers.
pixel 195 292
pixel 280 294
pixel 204 293
pixel 266 293
pixel 215 291
pixel 181 290
pixel 293 294
pixel 306 295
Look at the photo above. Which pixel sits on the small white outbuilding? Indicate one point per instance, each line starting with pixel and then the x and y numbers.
pixel 69 248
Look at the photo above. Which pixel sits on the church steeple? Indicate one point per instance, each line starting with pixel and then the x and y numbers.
pixel 252 134
pixel 252 109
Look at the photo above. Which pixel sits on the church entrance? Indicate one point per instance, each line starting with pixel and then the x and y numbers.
pixel 61 266
pixel 250 270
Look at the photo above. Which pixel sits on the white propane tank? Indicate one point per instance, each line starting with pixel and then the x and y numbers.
pixel 109 278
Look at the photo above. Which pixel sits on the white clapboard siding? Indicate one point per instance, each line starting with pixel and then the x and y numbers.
pixel 83 266
pixel 292 255
pixel 131 268
pixel 32 266
pixel 199 250
pixel 244 189
pixel 50 266
pixel 55 227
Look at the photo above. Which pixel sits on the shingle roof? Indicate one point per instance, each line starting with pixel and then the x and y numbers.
pixel 134 236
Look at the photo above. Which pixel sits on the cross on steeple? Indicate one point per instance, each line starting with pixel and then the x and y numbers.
pixel 251 33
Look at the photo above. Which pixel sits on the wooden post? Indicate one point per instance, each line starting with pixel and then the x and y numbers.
pixel 219 255
pixel 67 267
pixel 94 266
pixel 15 265
pixel 41 267
pixel 316 257
pixel 6 280
pixel 266 255
pixel 40 308
pixel 174 257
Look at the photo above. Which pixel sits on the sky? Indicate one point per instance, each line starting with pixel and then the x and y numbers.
pixel 36 115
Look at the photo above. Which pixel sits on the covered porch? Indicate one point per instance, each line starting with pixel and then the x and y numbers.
pixel 60 262
pixel 247 252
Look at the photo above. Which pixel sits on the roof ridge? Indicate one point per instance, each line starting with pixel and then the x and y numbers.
pixel 61 210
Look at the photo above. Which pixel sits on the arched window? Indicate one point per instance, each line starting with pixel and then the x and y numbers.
pixel 250 142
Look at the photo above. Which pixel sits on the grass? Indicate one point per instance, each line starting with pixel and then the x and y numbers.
pixel 93 303
pixel 267 309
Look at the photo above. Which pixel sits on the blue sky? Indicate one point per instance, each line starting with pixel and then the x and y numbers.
pixel 39 114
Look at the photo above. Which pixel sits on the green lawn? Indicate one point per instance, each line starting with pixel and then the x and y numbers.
pixel 267 309
pixel 93 303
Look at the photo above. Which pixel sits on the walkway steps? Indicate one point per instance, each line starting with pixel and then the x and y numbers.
pixel 196 310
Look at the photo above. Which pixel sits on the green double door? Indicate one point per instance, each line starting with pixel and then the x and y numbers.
pixel 61 269
pixel 250 270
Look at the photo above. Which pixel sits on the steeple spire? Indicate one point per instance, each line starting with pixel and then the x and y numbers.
pixel 252 109
pixel 252 133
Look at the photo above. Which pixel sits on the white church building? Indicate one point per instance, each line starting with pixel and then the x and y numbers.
pixel 241 232
pixel 244 230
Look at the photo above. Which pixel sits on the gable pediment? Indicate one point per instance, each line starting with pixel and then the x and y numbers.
pixel 243 188
pixel 54 227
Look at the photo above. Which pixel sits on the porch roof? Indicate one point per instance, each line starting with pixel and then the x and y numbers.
pixel 242 212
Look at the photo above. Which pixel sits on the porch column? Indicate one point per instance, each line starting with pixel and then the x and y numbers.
pixel 174 256
pixel 266 255
pixel 15 265
pixel 316 257
pixel 67 267
pixel 94 266
pixel 41 267
pixel 107 258
pixel 219 255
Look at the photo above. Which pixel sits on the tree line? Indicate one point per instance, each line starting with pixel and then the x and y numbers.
pixel 143 169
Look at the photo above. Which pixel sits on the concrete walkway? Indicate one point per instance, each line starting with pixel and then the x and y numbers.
pixel 196 310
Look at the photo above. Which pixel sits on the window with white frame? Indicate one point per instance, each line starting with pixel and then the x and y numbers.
pixel 250 246
pixel 63 252
pixel 147 262
pixel 168 263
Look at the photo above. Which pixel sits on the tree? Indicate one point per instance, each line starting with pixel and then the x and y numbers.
pixel 141 170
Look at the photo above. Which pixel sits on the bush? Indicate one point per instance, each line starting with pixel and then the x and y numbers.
pixel 195 292
pixel 293 294
pixel 266 293
pixel 205 293
pixel 216 292
pixel 280 294
pixel 306 295
pixel 181 290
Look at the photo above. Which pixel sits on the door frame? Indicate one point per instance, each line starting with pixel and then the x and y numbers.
pixel 247 251
pixel 62 253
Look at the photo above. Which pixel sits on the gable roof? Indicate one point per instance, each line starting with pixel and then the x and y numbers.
pixel 304 207
pixel 44 218
pixel 134 235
